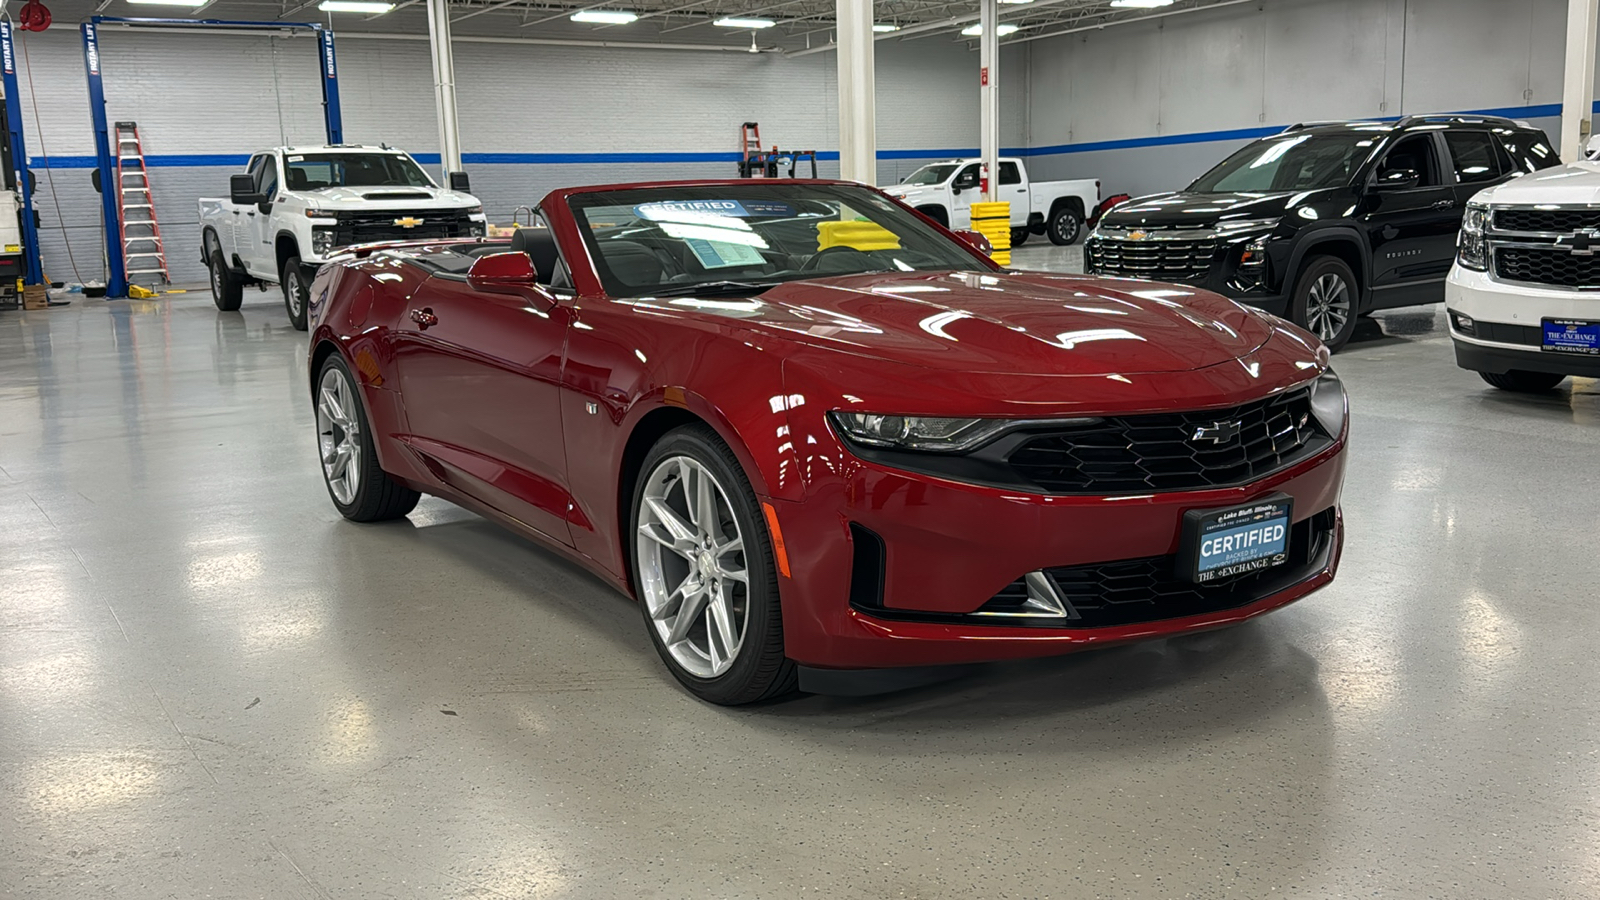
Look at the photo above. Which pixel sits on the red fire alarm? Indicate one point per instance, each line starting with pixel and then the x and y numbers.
pixel 983 76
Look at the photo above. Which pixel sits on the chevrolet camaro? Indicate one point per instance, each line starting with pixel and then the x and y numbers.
pixel 810 430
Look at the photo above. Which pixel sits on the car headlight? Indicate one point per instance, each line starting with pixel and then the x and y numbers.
pixel 923 433
pixel 1254 255
pixel 321 241
pixel 1329 403
pixel 474 210
pixel 1472 245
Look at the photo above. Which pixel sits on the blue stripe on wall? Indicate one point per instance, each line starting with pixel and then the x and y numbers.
pixel 236 160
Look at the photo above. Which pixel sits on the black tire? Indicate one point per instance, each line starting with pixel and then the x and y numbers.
pixel 226 291
pixel 1317 275
pixel 936 213
pixel 377 497
pixel 1523 381
pixel 296 292
pixel 1065 226
pixel 760 670
pixel 1019 236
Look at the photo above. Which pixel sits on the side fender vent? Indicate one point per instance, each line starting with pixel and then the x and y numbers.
pixel 867 568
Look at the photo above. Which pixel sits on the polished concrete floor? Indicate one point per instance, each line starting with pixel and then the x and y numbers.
pixel 211 686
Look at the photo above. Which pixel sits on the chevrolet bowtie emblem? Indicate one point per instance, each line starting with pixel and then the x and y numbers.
pixel 1138 235
pixel 1581 243
pixel 407 222
pixel 1217 432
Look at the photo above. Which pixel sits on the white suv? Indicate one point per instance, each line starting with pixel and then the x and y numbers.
pixel 1524 294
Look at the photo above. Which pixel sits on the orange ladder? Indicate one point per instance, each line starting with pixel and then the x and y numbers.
pixel 143 254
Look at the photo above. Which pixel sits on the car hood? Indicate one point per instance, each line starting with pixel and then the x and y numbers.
pixel 389 197
pixel 1191 210
pixel 1577 184
pixel 1015 323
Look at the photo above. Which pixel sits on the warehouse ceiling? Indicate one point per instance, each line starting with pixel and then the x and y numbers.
pixel 798 25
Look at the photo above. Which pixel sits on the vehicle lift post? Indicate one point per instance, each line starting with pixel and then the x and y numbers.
pixel 105 157
pixel 32 268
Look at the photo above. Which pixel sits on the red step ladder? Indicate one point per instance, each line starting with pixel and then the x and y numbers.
pixel 143 255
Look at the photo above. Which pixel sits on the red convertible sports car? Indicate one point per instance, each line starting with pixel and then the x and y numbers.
pixel 811 431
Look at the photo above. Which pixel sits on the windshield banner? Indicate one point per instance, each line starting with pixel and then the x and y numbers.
pixel 740 209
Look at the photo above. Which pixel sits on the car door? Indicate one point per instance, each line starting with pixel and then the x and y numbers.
pixel 1014 190
pixel 1412 230
pixel 262 258
pixel 480 377
pixel 241 224
pixel 963 192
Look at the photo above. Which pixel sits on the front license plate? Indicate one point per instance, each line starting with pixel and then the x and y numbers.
pixel 1572 336
pixel 1221 543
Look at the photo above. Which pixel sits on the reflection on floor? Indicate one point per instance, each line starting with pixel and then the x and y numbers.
pixel 210 685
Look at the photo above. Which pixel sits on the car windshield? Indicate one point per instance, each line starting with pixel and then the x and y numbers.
pixel 934 174
pixel 1290 162
pixel 745 238
pixel 308 172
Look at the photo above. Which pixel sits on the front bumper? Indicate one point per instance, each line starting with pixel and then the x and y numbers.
pixel 948 548
pixel 1508 322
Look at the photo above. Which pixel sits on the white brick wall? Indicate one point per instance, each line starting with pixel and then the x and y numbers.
pixel 206 93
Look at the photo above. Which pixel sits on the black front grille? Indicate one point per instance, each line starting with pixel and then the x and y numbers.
pixel 431 224
pixel 1151 589
pixel 1185 261
pixel 1561 221
pixel 1558 267
pixel 1160 452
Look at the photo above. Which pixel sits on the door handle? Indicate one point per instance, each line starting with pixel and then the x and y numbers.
pixel 424 318
pixel 1444 204
pixel 236 212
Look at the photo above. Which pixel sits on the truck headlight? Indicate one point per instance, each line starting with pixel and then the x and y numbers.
pixel 1329 403
pixel 321 241
pixel 1472 245
pixel 478 229
pixel 924 433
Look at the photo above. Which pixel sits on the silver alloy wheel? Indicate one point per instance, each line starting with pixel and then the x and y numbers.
pixel 339 435
pixel 216 280
pixel 692 573
pixel 291 290
pixel 1067 227
pixel 1328 306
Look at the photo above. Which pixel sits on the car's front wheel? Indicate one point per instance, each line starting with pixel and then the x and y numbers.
pixel 1524 382
pixel 703 570
pixel 1019 236
pixel 359 487
pixel 1324 301
pixel 1065 227
pixel 296 292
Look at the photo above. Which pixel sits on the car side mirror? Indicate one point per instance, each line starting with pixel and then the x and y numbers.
pixel 511 272
pixel 242 190
pixel 976 241
pixel 1398 179
pixel 460 182
pixel 955 189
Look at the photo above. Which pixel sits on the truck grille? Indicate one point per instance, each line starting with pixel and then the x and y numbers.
pixel 1183 261
pixel 1559 267
pixel 1560 221
pixel 1134 454
pixel 369 227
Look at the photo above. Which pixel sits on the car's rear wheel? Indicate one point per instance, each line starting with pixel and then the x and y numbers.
pixel 1066 224
pixel 296 292
pixel 1019 236
pixel 226 292
pixel 359 487
pixel 1324 301
pixel 1523 381
pixel 702 566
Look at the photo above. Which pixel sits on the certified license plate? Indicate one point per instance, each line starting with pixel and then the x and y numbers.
pixel 1571 336
pixel 1221 543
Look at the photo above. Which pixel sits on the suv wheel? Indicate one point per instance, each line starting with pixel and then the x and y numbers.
pixel 1324 301
pixel 1523 381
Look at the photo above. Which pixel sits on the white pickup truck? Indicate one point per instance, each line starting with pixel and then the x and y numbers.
pixel 295 207
pixel 945 191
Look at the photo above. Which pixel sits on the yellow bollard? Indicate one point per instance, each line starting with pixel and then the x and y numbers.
pixel 993 221
pixel 859 235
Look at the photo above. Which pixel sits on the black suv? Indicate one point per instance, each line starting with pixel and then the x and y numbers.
pixel 1324 221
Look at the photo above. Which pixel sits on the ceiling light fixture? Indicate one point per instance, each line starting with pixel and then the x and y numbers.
pixel 371 7
pixel 1141 4
pixel 192 4
pixel 886 28
pixel 604 16
pixel 999 30
pixel 734 22
pixel 1016 2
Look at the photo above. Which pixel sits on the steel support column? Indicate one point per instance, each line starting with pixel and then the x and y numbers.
pixel 32 270
pixel 1577 91
pixel 858 134
pixel 116 273
pixel 444 87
